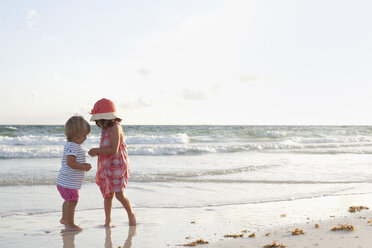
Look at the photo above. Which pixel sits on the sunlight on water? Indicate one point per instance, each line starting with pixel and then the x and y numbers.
pixel 170 165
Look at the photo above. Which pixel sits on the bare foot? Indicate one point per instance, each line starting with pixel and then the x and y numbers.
pixel 73 228
pixel 107 224
pixel 62 221
pixel 132 219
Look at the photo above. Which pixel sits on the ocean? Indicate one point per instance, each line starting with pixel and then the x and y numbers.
pixel 192 166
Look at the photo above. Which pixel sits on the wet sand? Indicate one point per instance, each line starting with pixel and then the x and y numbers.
pixel 175 227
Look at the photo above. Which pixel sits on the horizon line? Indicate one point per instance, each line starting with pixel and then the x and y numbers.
pixel 92 124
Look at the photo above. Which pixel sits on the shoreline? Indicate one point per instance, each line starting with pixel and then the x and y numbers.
pixel 160 227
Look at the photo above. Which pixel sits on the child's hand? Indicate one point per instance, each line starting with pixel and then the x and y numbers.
pixel 87 166
pixel 93 152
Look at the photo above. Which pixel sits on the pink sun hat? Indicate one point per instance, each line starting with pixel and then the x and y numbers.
pixel 103 109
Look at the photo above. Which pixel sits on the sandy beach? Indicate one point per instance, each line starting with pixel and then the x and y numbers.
pixel 197 182
pixel 317 232
pixel 178 227
pixel 313 236
pixel 243 121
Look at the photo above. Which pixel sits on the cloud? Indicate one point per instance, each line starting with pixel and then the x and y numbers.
pixel 49 38
pixel 33 94
pixel 79 61
pixel 215 88
pixel 144 72
pixel 194 94
pixel 190 94
pixel 140 102
pixel 32 18
pixel 57 77
pixel 248 77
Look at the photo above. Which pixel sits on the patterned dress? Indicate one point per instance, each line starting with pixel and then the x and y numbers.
pixel 112 170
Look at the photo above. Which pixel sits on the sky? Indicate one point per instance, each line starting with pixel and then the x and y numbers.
pixel 238 62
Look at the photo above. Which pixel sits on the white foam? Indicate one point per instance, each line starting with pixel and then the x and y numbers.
pixel 180 138
pixel 340 139
pixel 31 140
pixel 11 128
pixel 55 151
pixel 272 134
pixel 30 152
pixel 34 140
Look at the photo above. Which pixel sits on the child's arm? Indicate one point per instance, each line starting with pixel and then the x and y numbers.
pixel 71 162
pixel 114 144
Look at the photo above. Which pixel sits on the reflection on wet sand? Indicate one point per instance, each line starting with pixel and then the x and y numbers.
pixel 128 241
pixel 69 239
pixel 131 233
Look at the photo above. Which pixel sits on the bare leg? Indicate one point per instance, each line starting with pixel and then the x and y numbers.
pixel 108 207
pixel 63 219
pixel 128 207
pixel 70 213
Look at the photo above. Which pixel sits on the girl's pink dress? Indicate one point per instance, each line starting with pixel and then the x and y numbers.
pixel 112 170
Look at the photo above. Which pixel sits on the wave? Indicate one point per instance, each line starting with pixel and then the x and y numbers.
pixel 48 141
pixel 183 138
pixel 164 179
pixel 331 193
pixel 202 176
pixel 271 134
pixel 210 172
pixel 180 138
pixel 48 179
pixel 31 140
pixel 30 152
pixel 39 140
pixel 55 151
pixel 7 128
pixel 343 140
pixel 254 147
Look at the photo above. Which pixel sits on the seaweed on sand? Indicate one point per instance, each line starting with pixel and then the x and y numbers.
pixel 233 236
pixel 195 243
pixel 275 245
pixel 297 231
pixel 343 227
pixel 353 209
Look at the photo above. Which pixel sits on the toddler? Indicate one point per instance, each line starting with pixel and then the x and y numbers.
pixel 71 174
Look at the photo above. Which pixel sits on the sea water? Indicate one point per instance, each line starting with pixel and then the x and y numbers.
pixel 192 166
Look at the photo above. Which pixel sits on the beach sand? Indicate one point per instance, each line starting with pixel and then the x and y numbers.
pixel 316 233
pixel 174 227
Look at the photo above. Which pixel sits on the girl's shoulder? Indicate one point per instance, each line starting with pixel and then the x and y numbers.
pixel 116 127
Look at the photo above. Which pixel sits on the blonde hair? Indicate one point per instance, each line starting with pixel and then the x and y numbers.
pixel 75 127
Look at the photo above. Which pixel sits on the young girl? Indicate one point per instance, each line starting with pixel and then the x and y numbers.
pixel 71 174
pixel 113 166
